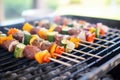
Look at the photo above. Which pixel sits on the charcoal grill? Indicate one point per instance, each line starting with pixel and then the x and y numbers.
pixel 89 69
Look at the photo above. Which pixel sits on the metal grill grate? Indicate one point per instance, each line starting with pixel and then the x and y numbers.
pixel 24 69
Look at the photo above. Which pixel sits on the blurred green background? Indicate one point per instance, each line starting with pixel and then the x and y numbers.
pixel 13 8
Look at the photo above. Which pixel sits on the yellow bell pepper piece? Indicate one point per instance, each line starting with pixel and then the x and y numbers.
pixel 52 50
pixel 12 31
pixel 33 38
pixel 4 38
pixel 43 34
pixel 27 27
pixel 92 29
pixel 39 57
pixel 52 27
pixel 64 26
pixel 75 40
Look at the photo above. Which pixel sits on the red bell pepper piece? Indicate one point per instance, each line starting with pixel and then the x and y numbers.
pixel 90 37
pixel 102 32
pixel 59 50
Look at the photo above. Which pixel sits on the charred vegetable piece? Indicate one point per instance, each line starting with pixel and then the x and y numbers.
pixel 18 53
pixel 42 57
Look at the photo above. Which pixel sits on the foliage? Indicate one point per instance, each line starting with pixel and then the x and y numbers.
pixel 13 8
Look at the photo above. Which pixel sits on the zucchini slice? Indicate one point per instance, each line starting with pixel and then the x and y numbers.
pixel 65 30
pixel 18 53
pixel 26 39
pixel 50 36
pixel 97 32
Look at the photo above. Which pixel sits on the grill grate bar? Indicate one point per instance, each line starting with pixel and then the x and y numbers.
pixel 75 73
pixel 85 61
pixel 58 67
pixel 90 51
pixel 15 65
pixel 20 69
pixel 100 59
pixel 5 53
pixel 105 53
pixel 6 63
pixel 6 58
pixel 38 67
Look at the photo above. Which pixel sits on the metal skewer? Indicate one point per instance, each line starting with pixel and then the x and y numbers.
pixel 67 58
pixel 61 62
pixel 86 53
pixel 73 56
pixel 95 44
pixel 105 40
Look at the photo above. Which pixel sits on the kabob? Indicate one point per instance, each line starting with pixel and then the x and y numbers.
pixel 58 28
pixel 29 51
pixel 69 45
pixel 99 29
pixel 84 36
pixel 87 35
pixel 27 39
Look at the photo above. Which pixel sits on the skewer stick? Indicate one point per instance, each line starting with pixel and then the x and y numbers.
pixel 73 56
pixel 86 53
pixel 114 33
pixel 104 40
pixel 87 46
pixel 61 62
pixel 67 58
pixel 95 44
pixel 114 29
pixel 6 28
pixel 63 52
